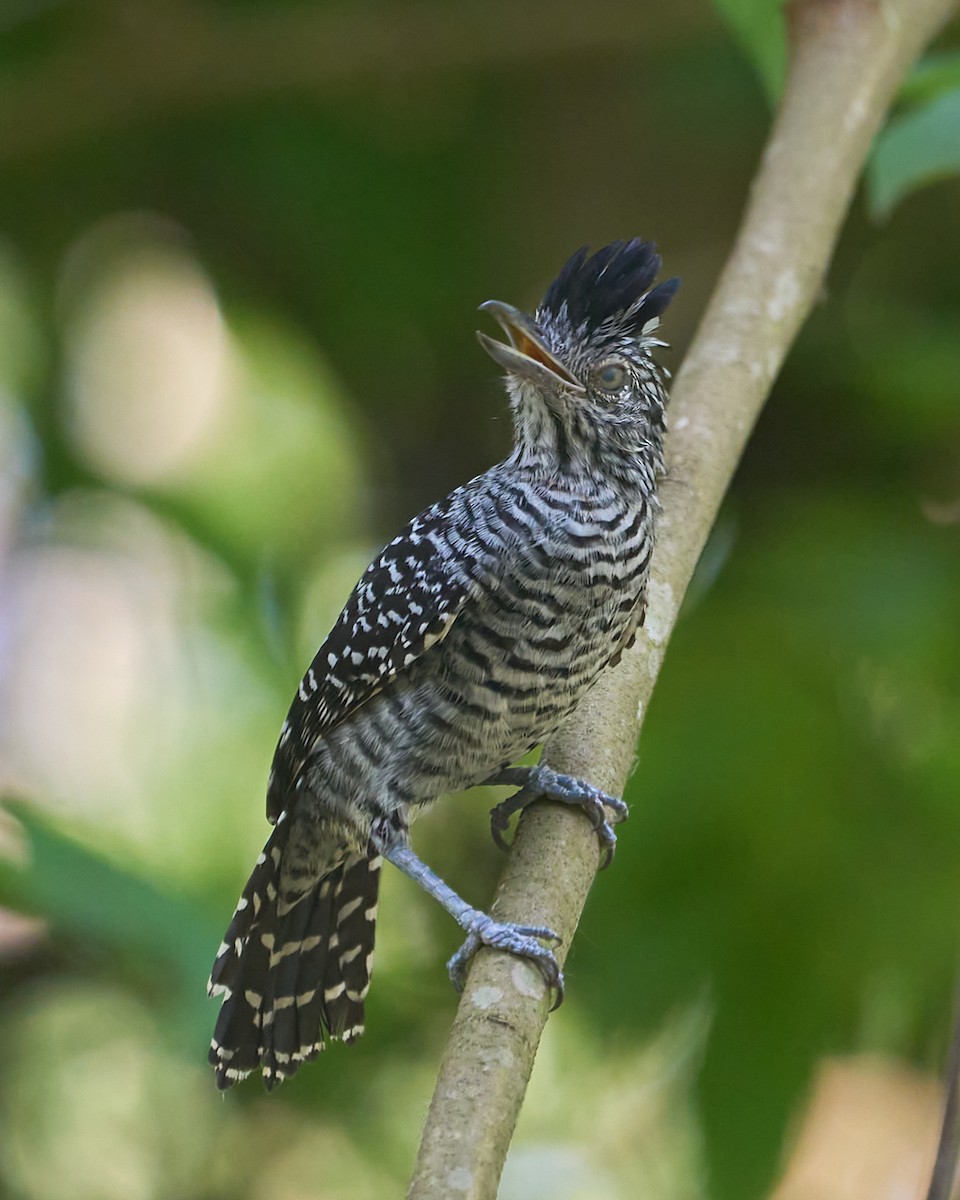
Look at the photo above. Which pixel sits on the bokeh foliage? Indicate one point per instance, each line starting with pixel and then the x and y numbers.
pixel 236 354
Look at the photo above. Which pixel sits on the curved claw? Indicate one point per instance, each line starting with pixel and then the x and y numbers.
pixel 496 832
pixel 608 840
pixel 501 813
pixel 457 965
pixel 499 824
pixel 520 940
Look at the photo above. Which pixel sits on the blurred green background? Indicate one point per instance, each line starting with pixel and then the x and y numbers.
pixel 241 248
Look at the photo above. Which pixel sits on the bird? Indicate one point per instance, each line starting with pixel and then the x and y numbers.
pixel 466 644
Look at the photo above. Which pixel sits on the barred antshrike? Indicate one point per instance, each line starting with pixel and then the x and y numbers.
pixel 465 644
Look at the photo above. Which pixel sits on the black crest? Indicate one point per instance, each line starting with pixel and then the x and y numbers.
pixel 608 285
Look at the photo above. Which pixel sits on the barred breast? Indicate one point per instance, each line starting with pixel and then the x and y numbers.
pixel 561 578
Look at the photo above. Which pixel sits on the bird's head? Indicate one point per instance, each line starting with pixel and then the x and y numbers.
pixel 582 382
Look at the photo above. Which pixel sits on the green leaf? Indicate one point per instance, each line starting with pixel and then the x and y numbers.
pixel 933 74
pixel 921 147
pixel 758 27
pixel 86 898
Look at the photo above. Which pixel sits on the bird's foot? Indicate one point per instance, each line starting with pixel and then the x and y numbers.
pixel 540 782
pixel 522 940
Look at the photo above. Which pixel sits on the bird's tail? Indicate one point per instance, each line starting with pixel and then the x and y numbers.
pixel 293 969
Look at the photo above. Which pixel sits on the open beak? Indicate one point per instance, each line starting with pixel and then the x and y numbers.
pixel 525 354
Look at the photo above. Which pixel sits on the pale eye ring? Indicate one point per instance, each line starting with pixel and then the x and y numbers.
pixel 611 376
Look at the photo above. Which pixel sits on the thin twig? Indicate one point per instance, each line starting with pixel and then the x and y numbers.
pixel 847 59
pixel 948 1148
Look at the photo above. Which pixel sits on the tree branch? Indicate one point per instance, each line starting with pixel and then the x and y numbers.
pixel 847 58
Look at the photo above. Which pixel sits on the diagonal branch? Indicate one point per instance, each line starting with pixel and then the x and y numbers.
pixel 847 59
pixel 948 1148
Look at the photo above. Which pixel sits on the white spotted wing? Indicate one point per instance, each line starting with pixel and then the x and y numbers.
pixel 406 601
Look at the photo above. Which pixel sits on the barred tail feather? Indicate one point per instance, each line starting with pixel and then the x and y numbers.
pixel 346 976
pixel 293 971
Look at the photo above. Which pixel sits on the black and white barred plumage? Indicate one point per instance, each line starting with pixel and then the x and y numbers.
pixel 465 644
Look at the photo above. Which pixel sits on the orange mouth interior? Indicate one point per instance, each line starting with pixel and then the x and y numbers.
pixel 530 348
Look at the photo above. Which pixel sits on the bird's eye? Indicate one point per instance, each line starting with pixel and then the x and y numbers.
pixel 611 376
